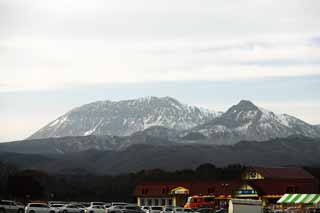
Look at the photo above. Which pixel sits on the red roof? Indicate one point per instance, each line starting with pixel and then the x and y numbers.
pixel 282 173
pixel 279 187
pixel 277 180
pixel 162 189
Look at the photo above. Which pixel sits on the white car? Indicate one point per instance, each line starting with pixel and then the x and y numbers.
pixel 155 209
pixel 145 208
pixel 118 204
pixel 114 209
pixel 107 205
pixel 10 206
pixel 38 208
pixel 97 204
pixel 168 209
pixel 57 206
pixel 184 210
pixel 71 208
pixel 95 209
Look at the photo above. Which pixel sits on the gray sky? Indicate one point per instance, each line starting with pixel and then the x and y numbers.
pixel 55 55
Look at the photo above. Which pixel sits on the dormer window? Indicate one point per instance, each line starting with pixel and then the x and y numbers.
pixel 253 174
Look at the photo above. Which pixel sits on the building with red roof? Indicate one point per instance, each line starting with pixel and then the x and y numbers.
pixel 266 184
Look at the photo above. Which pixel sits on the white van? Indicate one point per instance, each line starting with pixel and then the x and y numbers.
pixel 245 206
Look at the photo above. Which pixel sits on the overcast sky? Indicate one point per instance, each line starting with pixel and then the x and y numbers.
pixel 58 54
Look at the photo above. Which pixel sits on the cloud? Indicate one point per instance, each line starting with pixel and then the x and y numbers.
pixel 51 44
pixel 41 63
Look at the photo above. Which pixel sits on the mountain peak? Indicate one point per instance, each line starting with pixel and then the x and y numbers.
pixel 245 102
pixel 242 106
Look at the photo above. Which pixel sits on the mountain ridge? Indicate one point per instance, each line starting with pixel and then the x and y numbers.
pixel 168 119
pixel 294 150
pixel 123 118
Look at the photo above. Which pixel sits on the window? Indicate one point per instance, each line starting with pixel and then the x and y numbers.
pixel 165 190
pixel 142 202
pixel 170 202
pixel 163 202
pixel 253 174
pixel 208 199
pixel 149 202
pixel 144 191
pixel 292 189
pixel 156 202
pixel 5 203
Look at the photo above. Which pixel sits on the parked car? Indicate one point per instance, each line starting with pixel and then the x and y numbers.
pixel 50 203
pixel 278 211
pixel 292 210
pixel 97 203
pixel 38 208
pixel 145 208
pixel 222 211
pixel 167 209
pixel 184 210
pixel 56 206
pixel 313 210
pixel 107 205
pixel 20 205
pixel 267 210
pixel 178 210
pixel 114 209
pixel 118 204
pixel 131 209
pixel 95 209
pixel 72 208
pixel 9 206
pixel 205 210
pixel 189 210
pixel 155 209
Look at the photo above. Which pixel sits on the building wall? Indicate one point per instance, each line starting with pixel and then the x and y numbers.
pixel 155 201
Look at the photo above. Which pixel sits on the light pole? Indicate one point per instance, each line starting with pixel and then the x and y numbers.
pixel 224 186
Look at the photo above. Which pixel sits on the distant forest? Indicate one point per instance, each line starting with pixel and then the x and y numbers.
pixel 26 185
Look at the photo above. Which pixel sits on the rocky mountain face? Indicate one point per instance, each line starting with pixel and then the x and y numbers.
pixel 245 121
pixel 124 118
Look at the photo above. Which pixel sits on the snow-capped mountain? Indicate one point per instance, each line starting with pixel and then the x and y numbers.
pixel 245 121
pixel 126 117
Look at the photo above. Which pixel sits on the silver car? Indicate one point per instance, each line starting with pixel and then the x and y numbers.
pixel 155 209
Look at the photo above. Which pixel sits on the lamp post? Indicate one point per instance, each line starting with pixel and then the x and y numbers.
pixel 224 186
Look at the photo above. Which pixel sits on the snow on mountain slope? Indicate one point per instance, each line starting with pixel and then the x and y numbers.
pixel 245 121
pixel 126 117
